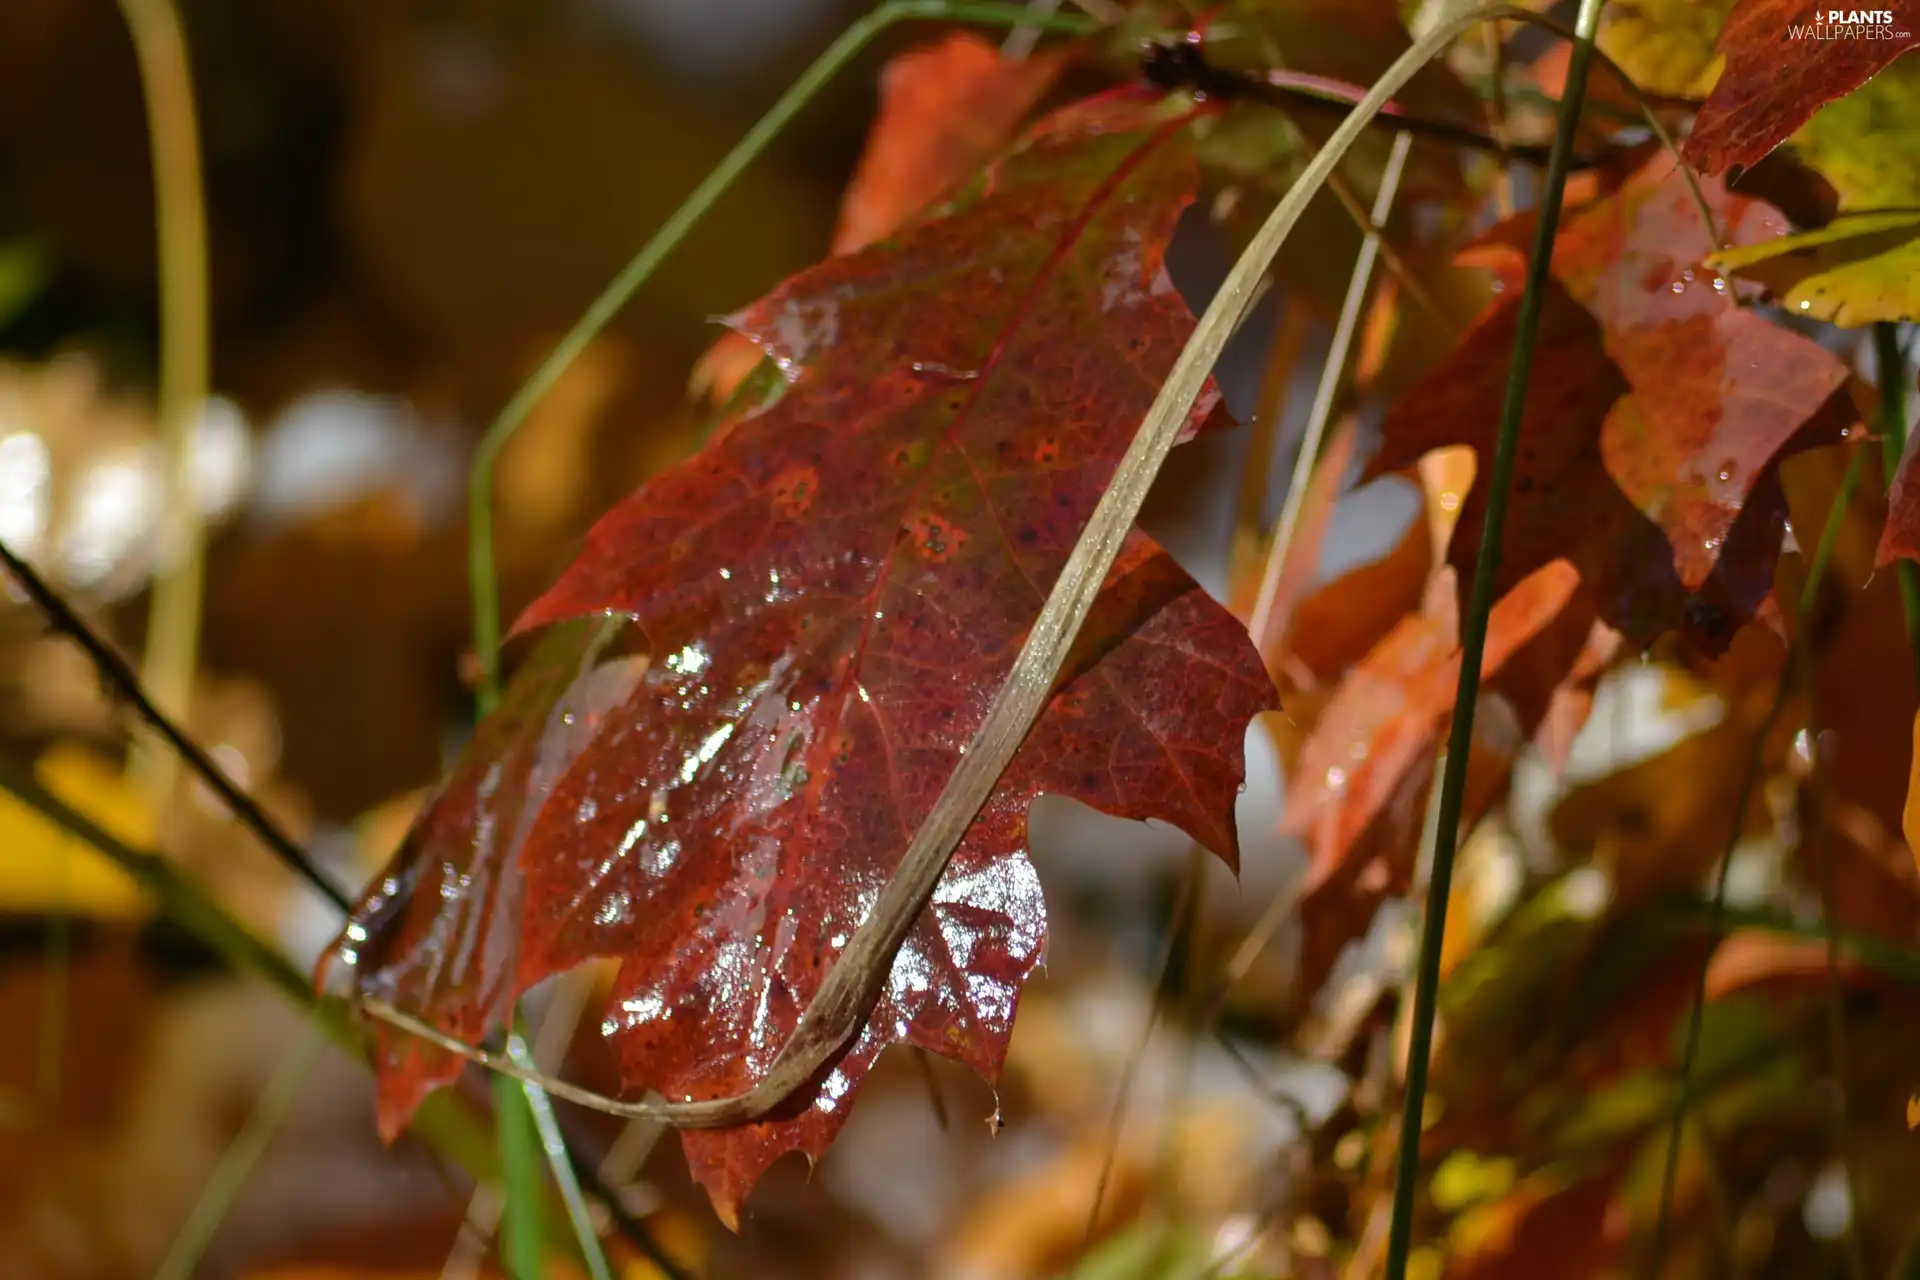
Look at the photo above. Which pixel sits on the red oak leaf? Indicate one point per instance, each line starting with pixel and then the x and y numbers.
pixel 440 930
pixel 1656 416
pixel 832 592
pixel 945 110
pixel 1779 73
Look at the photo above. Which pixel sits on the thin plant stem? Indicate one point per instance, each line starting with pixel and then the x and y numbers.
pixel 115 672
pixel 483 581
pixel 179 899
pixel 1473 643
pixel 1333 374
pixel 1116 1118
pixel 546 1129
pixel 834 1012
pixel 230 1176
pixel 523 1217
pixel 1020 41
pixel 173 621
pixel 445 1120
pixel 1717 910
pixel 1813 824
pixel 1891 372
pixel 476 1234
pixel 1497 112
pixel 1830 532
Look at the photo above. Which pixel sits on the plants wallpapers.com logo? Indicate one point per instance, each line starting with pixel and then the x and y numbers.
pixel 1850 24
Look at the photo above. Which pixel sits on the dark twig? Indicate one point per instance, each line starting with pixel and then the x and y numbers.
pixel 1182 65
pixel 115 672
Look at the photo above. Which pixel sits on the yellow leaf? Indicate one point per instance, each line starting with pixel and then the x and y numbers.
pixel 1666 46
pixel 1867 144
pixel 48 869
pixel 1855 270
pixel 1865 265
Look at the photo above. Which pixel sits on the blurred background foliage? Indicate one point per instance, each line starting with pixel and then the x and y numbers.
pixel 408 201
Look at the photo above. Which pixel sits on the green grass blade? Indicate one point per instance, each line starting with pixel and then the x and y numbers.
pixel 1891 372
pixel 522 1190
pixel 1473 642
pixel 483 582
pixel 520 1104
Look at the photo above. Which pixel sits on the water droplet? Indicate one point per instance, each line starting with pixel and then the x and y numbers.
pixel 689 661
pixel 1336 779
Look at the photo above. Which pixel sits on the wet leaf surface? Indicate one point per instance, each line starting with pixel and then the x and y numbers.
pixel 1656 416
pixel 832 592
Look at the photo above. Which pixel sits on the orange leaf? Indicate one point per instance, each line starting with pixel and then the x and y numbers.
pixel 945 110
pixel 1336 624
pixel 1751 959
pixel 1355 795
